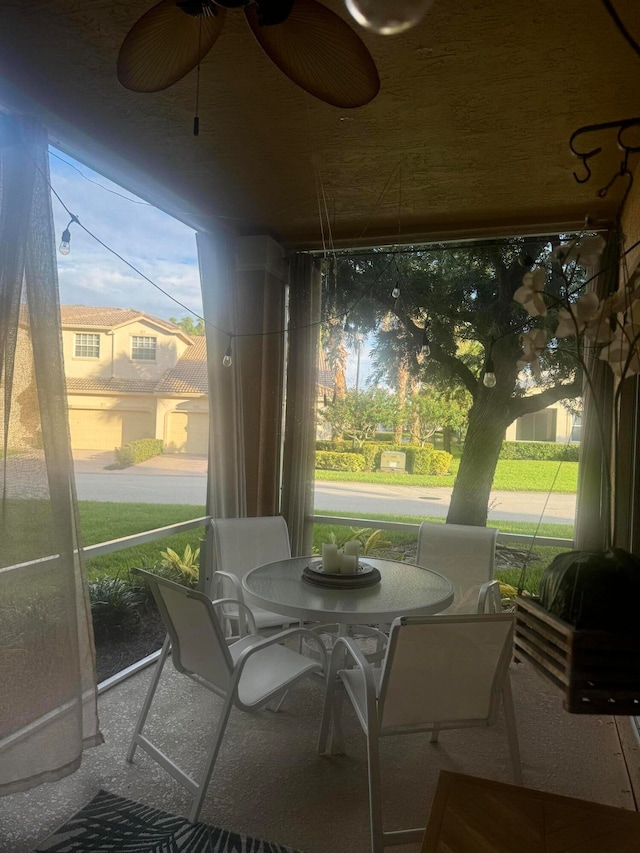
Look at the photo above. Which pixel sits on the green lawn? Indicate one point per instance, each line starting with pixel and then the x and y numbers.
pixel 101 522
pixel 510 476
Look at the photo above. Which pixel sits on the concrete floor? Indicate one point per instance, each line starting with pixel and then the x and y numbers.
pixel 269 781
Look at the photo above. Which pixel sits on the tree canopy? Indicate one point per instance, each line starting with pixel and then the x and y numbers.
pixel 457 304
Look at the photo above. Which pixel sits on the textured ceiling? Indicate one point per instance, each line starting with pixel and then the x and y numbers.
pixel 468 136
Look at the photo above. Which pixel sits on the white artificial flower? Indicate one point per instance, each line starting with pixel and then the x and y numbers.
pixel 617 353
pixel 533 343
pixel 586 251
pixel 529 294
pixel 575 319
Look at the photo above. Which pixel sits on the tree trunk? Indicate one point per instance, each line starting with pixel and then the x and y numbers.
pixel 401 393
pixel 488 420
pixel 446 439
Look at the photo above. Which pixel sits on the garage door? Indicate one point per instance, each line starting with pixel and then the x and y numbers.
pixel 98 429
pixel 188 432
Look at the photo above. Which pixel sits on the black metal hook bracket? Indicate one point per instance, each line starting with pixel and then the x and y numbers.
pixel 622 127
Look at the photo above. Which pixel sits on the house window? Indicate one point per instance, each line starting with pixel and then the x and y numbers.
pixel 143 348
pixel 537 426
pixel 87 346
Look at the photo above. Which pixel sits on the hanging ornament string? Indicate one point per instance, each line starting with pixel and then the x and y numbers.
pixel 196 118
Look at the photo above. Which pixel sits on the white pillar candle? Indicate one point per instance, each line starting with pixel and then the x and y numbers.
pixel 352 548
pixel 349 564
pixel 330 558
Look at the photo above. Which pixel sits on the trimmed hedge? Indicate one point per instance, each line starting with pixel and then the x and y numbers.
pixel 339 461
pixel 138 451
pixel 440 462
pixel 332 456
pixel 550 450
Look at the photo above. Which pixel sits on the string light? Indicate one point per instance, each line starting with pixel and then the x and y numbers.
pixel 489 378
pixel 396 291
pixel 425 349
pixel 65 243
pixel 227 361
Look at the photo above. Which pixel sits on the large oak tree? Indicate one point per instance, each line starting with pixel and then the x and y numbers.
pixel 459 301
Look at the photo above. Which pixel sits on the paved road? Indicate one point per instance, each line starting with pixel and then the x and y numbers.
pixel 152 486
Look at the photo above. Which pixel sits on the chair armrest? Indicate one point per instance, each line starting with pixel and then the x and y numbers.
pixel 490 595
pixel 278 638
pixel 218 582
pixel 248 615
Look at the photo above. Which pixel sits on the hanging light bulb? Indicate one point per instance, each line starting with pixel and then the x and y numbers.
pixel 387 17
pixel 489 378
pixel 425 349
pixel 227 361
pixel 395 292
pixel 65 243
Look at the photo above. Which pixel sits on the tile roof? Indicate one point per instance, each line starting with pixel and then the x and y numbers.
pixel 189 376
pixel 325 376
pixel 114 386
pixel 86 315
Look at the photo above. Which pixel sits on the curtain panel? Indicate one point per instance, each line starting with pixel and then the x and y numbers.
pixel 48 710
pixel 302 391
pixel 593 518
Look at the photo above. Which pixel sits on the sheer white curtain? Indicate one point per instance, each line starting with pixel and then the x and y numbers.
pixel 47 673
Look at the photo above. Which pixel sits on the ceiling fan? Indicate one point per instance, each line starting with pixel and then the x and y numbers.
pixel 309 43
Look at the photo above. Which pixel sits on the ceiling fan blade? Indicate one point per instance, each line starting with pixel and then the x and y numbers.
pixel 166 43
pixel 320 52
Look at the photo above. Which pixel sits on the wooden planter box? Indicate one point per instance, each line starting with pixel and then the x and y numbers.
pixel 597 671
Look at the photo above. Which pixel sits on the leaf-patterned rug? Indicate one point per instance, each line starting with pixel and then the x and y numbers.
pixel 110 824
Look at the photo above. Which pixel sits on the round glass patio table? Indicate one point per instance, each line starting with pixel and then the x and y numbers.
pixel 404 590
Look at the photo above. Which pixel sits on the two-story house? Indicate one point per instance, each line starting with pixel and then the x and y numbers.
pixel 131 375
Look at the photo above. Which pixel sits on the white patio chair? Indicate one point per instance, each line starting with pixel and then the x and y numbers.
pixel 440 672
pixel 241 544
pixel 466 556
pixel 247 674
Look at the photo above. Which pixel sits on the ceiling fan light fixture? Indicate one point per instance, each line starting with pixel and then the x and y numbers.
pixel 272 12
pixel 388 17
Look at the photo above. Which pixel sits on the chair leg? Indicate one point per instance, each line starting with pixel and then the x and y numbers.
pixel 375 797
pixel 435 733
pixel 512 731
pixel 146 705
pixel 280 702
pixel 194 814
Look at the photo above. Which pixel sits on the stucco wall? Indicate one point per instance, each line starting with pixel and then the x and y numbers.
pixel 115 353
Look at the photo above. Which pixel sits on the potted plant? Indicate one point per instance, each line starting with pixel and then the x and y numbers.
pixel 582 632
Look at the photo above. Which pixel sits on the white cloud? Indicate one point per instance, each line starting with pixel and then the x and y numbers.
pixel 158 245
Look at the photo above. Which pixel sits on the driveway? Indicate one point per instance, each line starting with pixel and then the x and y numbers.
pixel 181 479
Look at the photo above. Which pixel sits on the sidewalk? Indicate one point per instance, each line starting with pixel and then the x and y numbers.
pixel 96 461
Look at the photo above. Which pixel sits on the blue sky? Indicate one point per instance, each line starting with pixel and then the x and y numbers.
pixel 163 248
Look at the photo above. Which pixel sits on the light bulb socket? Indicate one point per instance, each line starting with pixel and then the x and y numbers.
pixel 227 361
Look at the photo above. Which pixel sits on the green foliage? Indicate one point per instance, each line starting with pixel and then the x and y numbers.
pixel 369 539
pixel 360 412
pixel 417 461
pixel 187 325
pixel 510 476
pixel 440 462
pixel 138 451
pixel 339 461
pixel 540 450
pixel 432 410
pixel 335 446
pixel 183 569
pixel 116 606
